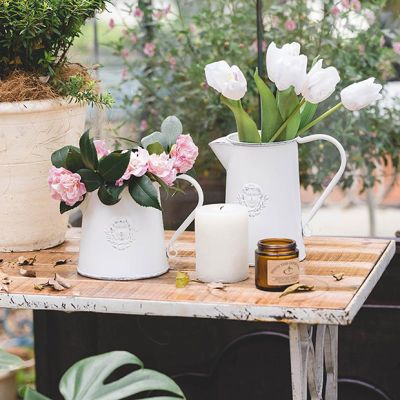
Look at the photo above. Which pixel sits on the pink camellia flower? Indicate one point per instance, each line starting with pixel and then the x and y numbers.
pixel 355 5
pixel 253 48
pixel 138 165
pixel 111 23
pixel 133 39
pixel 162 166
pixel 101 148
pixel 138 13
pixel 144 125
pixel 396 47
pixel 149 49
pixel 335 11
pixel 184 152
pixel 65 186
pixel 290 25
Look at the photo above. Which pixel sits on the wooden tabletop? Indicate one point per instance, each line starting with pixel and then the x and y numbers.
pixel 361 261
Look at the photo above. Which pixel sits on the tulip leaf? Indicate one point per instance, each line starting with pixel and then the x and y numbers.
pixel 307 114
pixel 88 151
pixel 271 119
pixel 91 179
pixel 113 166
pixel 287 101
pixel 171 128
pixel 31 394
pixel 155 148
pixel 143 192
pixel 68 157
pixel 86 379
pixel 247 128
pixel 109 194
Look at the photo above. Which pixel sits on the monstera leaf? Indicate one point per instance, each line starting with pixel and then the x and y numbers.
pixel 86 380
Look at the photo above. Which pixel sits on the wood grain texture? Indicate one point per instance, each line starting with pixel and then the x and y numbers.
pixel 332 302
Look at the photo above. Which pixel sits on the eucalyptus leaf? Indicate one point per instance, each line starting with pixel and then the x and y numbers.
pixel 109 194
pixel 91 179
pixel 287 101
pixel 271 118
pixel 88 151
pixel 113 166
pixel 31 394
pixel 155 148
pixel 171 128
pixel 85 379
pixel 150 139
pixel 307 114
pixel 247 128
pixel 143 192
pixel 9 361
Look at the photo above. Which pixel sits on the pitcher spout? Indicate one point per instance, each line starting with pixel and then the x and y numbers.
pixel 223 150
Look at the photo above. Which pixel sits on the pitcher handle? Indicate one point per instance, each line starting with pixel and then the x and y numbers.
pixel 335 179
pixel 191 216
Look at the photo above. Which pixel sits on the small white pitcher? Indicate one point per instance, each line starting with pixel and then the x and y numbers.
pixel 265 178
pixel 126 241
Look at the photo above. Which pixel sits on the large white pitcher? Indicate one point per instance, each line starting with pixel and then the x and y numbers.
pixel 126 241
pixel 265 178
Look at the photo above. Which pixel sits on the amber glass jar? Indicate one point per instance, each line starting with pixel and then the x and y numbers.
pixel 277 264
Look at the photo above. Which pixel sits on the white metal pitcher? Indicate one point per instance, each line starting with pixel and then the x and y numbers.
pixel 126 241
pixel 265 178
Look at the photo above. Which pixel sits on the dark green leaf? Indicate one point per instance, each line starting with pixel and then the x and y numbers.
pixel 143 192
pixel 271 118
pixel 88 152
pixel 113 166
pixel 64 208
pixel 155 148
pixel 307 114
pixel 287 101
pixel 110 194
pixel 68 157
pixel 91 179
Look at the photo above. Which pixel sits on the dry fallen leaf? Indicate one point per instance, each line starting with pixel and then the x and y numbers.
pixel 40 286
pixel 26 261
pixel 60 262
pixel 182 279
pixel 5 282
pixel 216 285
pixel 62 281
pixel 339 276
pixel 296 289
pixel 57 283
pixel 1 260
pixel 28 273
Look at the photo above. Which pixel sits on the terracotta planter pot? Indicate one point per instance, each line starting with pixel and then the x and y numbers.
pixel 29 132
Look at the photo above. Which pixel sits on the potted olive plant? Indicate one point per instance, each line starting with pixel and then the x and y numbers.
pixel 43 101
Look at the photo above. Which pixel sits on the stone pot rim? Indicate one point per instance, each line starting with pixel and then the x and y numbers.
pixel 35 106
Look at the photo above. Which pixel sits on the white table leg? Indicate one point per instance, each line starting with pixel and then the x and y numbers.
pixel 308 361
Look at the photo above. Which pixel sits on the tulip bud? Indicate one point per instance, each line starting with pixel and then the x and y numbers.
pixel 320 83
pixel 286 67
pixel 361 94
pixel 227 80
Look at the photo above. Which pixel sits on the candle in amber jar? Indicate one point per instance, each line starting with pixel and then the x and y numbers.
pixel 222 243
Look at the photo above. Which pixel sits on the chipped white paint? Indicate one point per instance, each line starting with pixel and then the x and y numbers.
pixel 29 132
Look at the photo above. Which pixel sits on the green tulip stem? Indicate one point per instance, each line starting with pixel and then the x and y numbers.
pixel 320 118
pixel 285 124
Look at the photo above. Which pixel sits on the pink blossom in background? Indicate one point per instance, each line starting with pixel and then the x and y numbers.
pixel 65 186
pixel 254 49
pixel 149 49
pixel 101 148
pixel 162 166
pixel 382 41
pixel 111 23
pixel 193 28
pixel 361 49
pixel 346 3
pixel 290 25
pixel 370 16
pixel 172 62
pixel 396 47
pixel 138 165
pixel 138 13
pixel 335 11
pixel 355 5
pixel 158 14
pixel 133 39
pixel 124 73
pixel 125 53
pixel 184 152
pixel 144 125
pixel 276 21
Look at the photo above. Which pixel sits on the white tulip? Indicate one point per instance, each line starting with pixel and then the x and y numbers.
pixel 320 83
pixel 227 80
pixel 361 94
pixel 286 67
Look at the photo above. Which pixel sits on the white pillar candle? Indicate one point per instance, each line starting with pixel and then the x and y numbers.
pixel 222 243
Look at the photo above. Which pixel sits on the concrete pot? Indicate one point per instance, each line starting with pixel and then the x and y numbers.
pixel 29 132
